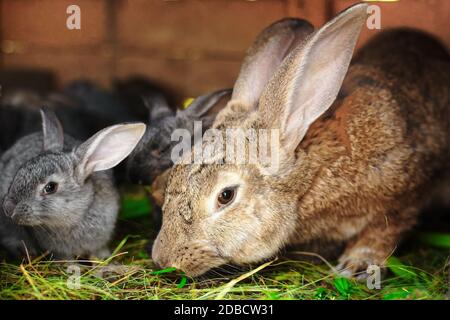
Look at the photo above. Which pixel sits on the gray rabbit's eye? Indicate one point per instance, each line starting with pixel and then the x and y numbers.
pixel 226 196
pixel 50 188
pixel 155 153
pixel 158 151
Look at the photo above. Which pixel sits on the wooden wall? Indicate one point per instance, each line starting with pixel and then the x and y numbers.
pixel 192 46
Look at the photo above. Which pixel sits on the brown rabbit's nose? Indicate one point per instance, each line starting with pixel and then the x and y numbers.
pixel 9 206
pixel 158 256
pixel 160 264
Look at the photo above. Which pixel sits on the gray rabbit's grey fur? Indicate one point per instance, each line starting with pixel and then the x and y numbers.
pixel 153 154
pixel 78 219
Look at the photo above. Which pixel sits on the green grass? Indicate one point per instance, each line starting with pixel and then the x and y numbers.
pixel 419 271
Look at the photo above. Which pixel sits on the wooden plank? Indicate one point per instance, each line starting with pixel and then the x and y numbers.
pixel 67 67
pixel 429 15
pixel 188 78
pixel 43 23
pixel 227 26
pixel 316 12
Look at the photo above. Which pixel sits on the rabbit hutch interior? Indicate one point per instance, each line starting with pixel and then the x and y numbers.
pixel 94 91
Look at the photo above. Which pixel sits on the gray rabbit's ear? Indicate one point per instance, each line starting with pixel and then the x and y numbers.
pixel 310 78
pixel 107 148
pixel 208 104
pixel 157 106
pixel 52 131
pixel 265 56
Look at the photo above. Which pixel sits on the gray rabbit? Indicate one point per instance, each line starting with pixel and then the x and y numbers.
pixel 152 156
pixel 57 196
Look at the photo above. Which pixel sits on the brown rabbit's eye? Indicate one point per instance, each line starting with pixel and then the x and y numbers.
pixel 226 196
pixel 50 188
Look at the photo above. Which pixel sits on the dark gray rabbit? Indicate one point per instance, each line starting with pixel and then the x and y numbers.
pixel 19 114
pixel 57 196
pixel 152 156
pixel 82 107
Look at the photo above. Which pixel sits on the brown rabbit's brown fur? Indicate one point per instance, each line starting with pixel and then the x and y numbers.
pixel 359 175
pixel 384 141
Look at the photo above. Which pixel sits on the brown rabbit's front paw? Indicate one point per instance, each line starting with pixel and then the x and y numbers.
pixel 356 262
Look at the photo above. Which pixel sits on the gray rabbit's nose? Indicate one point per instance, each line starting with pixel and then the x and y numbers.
pixel 9 206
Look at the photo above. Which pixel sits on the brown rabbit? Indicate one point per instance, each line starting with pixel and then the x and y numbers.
pixel 358 158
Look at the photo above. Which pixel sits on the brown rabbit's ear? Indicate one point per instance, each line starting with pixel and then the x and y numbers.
pixel 264 57
pixel 309 79
pixel 52 131
pixel 208 104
